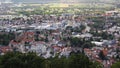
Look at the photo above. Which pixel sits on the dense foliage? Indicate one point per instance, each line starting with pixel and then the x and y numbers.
pixel 31 60
pixel 5 38
pixel 81 42
pixel 116 65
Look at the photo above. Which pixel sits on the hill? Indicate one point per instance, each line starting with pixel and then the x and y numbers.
pixel 52 1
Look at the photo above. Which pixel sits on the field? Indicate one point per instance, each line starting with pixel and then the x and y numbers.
pixel 81 5
pixel 60 8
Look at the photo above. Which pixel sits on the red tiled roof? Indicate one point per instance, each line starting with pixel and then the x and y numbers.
pixel 14 43
pixel 105 52
pixel 4 48
pixel 31 33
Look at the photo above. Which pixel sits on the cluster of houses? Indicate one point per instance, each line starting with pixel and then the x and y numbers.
pixel 44 36
pixel 109 49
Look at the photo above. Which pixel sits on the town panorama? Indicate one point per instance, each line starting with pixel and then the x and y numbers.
pixel 59 33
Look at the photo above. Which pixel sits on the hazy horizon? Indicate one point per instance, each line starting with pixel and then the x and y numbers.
pixel 40 1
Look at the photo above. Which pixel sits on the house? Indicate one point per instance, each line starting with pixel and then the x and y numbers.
pixel 38 47
pixel 97 43
pixel 61 43
pixel 5 49
pixel 86 35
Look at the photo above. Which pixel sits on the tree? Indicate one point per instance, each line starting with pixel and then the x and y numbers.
pixel 102 56
pixel 78 61
pixel 13 62
pixel 46 39
pixel 31 60
pixel 5 38
pixel 116 65
pixel 46 64
pixel 19 60
pixel 96 65
pixel 88 45
pixel 58 62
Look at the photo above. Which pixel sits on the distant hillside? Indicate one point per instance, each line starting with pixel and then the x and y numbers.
pixel 40 1
pixel 34 1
